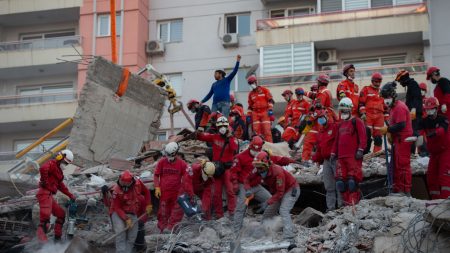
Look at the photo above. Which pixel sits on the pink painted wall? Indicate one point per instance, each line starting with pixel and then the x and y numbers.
pixel 135 34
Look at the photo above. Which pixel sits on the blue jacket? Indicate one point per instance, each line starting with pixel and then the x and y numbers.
pixel 220 90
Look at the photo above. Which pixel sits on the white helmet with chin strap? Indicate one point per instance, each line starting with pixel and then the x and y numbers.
pixel 171 150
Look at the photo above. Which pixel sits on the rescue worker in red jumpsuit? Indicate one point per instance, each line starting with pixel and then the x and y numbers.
pixel 372 110
pixel 202 113
pixel 423 91
pixel 129 198
pixel 170 173
pixel 224 147
pixel 200 183
pixel 325 97
pixel 236 106
pixel 287 95
pixel 442 90
pixel 238 124
pixel 314 91
pixel 435 128
pixel 348 88
pixel 260 113
pixel 399 127
pixel 52 180
pixel 250 181
pixel 348 149
pixel 299 108
pixel 289 134
pixel 284 189
pixel 325 140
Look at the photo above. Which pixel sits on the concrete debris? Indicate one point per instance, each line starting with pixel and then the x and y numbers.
pixel 309 217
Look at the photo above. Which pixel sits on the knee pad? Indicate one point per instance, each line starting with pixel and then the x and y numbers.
pixel 377 141
pixel 352 185
pixel 340 185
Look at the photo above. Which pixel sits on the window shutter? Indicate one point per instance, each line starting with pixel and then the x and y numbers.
pixel 356 4
pixel 392 60
pixel 381 3
pixel 331 5
pixel 401 2
pixel 177 83
pixel 277 60
pixel 303 58
pixel 164 32
pixel 176 30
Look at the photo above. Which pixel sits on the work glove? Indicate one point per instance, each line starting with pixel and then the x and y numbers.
pixel 359 154
pixel 157 192
pixel 270 113
pixel 128 223
pixel 412 114
pixel 262 207
pixel 363 116
pixel 248 119
pixel 342 94
pixel 149 209
pixel 333 158
pixel 444 108
pixel 383 130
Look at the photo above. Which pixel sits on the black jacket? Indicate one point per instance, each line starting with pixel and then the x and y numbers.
pixel 413 96
pixel 199 115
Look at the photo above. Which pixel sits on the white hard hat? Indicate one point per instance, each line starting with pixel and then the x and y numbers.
pixel 345 104
pixel 171 149
pixel 68 155
pixel 208 170
pixel 222 121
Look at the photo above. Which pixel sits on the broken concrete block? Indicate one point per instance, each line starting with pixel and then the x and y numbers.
pixel 106 127
pixel 387 244
pixel 309 217
pixel 439 214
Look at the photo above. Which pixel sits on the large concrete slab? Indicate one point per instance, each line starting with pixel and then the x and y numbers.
pixel 105 127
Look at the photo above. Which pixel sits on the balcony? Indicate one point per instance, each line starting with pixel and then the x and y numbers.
pixel 37 52
pixel 37 107
pixel 363 75
pixel 21 6
pixel 343 25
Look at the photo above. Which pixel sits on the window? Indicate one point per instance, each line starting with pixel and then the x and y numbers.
pixel 377 61
pixel 162 136
pixel 295 12
pixel 330 5
pixel 400 2
pixel 104 25
pixel 239 80
pixel 46 93
pixel 364 63
pixel 380 3
pixel 287 59
pixel 176 80
pixel 46 35
pixel 356 4
pixel 46 145
pixel 170 31
pixel 238 23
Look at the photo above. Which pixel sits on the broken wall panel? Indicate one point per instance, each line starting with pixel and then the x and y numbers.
pixel 105 127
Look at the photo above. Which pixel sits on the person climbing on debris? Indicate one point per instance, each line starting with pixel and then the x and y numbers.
pixel 399 127
pixel 130 200
pixel 348 88
pixel 435 128
pixel 201 183
pixel 348 150
pixel 284 189
pixel 202 113
pixel 325 140
pixel 250 181
pixel 442 90
pixel 170 174
pixel 224 147
pixel 373 111
pixel 413 101
pixel 260 105
pixel 52 180
pixel 220 90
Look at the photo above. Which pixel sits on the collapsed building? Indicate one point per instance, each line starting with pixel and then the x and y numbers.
pixel 112 134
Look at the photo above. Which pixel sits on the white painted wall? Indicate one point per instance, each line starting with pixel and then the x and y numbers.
pixel 439 34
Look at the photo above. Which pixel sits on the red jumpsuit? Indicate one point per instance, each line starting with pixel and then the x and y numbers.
pixel 260 101
pixel 442 93
pixel 310 140
pixel 169 177
pixel 51 181
pixel 372 104
pixel 228 179
pixel 325 141
pixel 402 166
pixel 134 201
pixel 438 139
pixel 326 100
pixel 203 189
pixel 297 109
pixel 278 182
pixel 351 90
pixel 347 142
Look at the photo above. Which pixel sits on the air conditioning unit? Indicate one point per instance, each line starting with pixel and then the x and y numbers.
pixel 154 47
pixel 230 40
pixel 326 56
pixel 328 68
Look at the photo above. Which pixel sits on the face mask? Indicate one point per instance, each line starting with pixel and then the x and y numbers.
pixel 223 130
pixel 322 121
pixel 431 112
pixel 253 152
pixel 253 86
pixel 263 173
pixel 433 81
pixel 300 97
pixel 345 115
pixel 171 158
pixel 388 102
pixel 423 93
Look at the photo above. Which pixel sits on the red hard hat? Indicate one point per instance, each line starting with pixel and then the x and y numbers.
pixel 376 76
pixel 251 79
pixel 314 87
pixel 191 103
pixel 257 143
pixel 323 78
pixel 299 91
pixel 262 159
pixel 431 70
pixel 126 178
pixel 346 68
pixel 286 92
pixel 231 98
pixel 430 103
pixel 401 74
pixel 423 86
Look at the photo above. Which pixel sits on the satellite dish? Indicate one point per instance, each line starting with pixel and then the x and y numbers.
pixel 252 71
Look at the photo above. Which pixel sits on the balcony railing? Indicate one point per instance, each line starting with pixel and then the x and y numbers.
pixel 274 23
pixel 37 99
pixel 336 75
pixel 11 155
pixel 59 42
